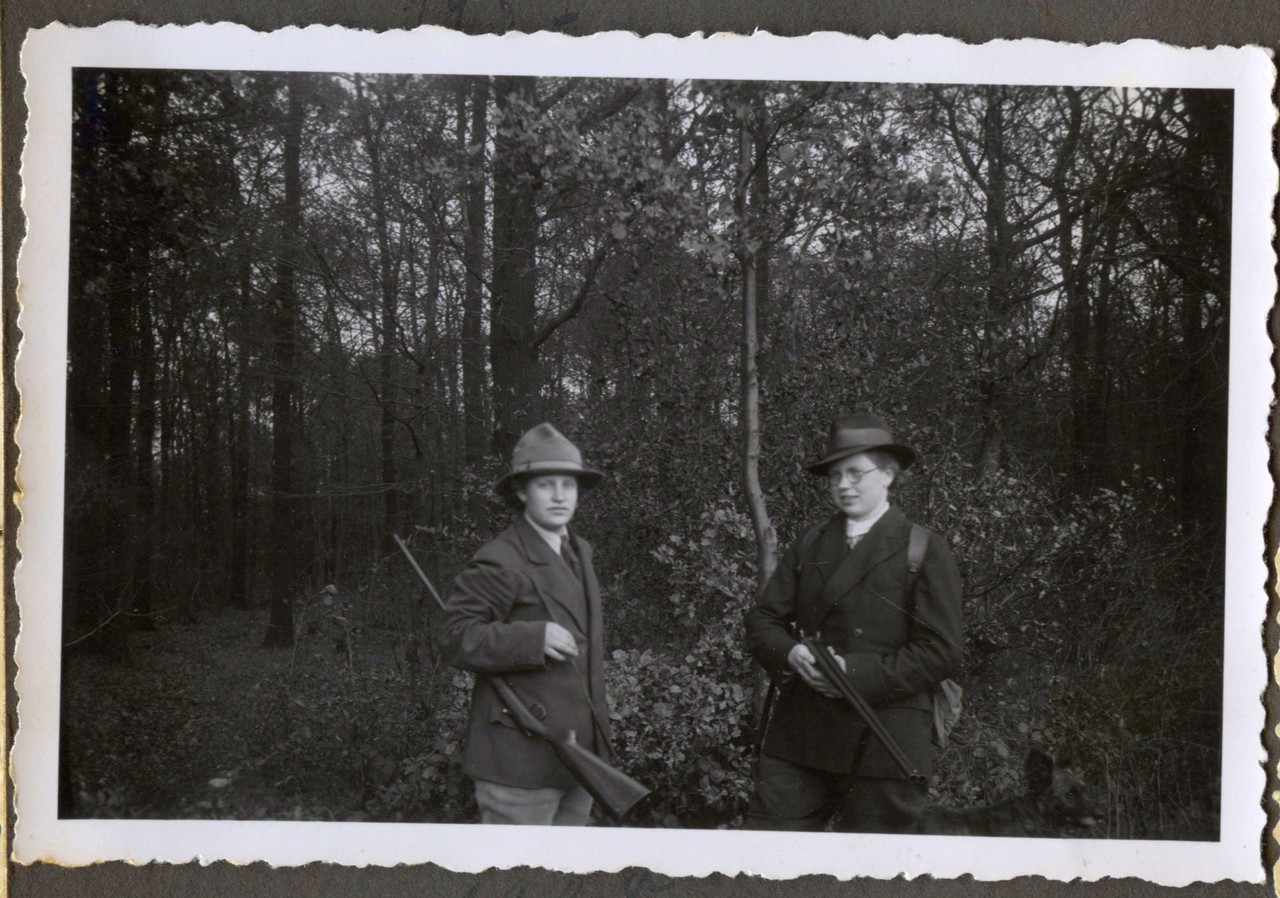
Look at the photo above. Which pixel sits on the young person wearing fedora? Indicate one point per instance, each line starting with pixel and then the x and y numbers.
pixel 895 632
pixel 527 606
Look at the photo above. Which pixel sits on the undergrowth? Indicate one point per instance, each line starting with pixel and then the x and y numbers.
pixel 1091 633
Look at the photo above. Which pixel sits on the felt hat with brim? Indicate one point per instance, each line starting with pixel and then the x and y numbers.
pixel 545 450
pixel 861 432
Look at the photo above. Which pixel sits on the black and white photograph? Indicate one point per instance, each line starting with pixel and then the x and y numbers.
pixel 686 440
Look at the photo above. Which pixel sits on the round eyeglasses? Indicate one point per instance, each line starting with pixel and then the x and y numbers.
pixel 854 476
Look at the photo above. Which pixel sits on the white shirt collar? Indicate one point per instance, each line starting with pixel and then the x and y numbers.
pixel 551 537
pixel 854 528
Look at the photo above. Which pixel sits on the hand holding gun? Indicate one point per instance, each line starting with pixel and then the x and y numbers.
pixel 801 659
pixel 825 662
pixel 612 789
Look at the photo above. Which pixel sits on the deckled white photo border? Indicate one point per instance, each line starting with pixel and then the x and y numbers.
pixel 48 57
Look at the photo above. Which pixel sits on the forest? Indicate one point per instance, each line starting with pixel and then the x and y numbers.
pixel 309 311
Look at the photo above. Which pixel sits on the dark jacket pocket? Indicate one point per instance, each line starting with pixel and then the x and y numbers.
pixel 500 715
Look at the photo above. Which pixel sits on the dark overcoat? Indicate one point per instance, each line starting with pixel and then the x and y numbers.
pixel 895 646
pixel 494 623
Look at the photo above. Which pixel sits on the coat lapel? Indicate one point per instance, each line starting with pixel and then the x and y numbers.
pixel 595 635
pixel 560 590
pixel 886 538
pixel 595 622
pixel 829 549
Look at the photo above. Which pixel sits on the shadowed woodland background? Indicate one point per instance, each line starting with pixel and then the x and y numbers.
pixel 310 311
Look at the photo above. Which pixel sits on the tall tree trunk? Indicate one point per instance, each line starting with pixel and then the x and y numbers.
pixel 166 405
pixel 440 438
pixel 284 503
pixel 100 371
pixel 1075 293
pixel 766 540
pixel 144 529
pixel 999 262
pixel 760 206
pixel 122 365
pixel 476 433
pixel 512 354
pixel 1204 241
pixel 387 288
pixel 1098 388
pixel 241 434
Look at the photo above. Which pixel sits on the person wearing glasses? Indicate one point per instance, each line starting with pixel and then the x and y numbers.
pixel 897 633
pixel 528 607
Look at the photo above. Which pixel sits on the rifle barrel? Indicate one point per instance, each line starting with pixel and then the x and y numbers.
pixel 840 680
pixel 421 576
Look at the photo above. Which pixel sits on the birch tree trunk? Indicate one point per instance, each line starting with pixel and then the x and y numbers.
pixel 766 540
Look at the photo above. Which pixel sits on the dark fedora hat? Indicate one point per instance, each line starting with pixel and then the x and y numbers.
pixel 545 450
pixel 861 432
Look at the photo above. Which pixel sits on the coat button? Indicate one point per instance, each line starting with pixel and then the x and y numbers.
pixel 857 631
pixel 538 711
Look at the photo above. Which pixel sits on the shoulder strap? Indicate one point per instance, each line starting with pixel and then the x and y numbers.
pixel 947 696
pixel 917 546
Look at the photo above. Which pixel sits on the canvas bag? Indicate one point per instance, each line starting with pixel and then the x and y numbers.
pixel 947 697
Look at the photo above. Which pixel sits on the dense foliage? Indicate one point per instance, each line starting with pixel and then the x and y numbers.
pixel 308 311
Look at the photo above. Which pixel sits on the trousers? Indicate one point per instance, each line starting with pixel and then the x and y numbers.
pixel 545 807
pixel 794 798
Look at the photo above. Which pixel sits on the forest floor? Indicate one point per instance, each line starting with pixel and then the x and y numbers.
pixel 187 726
pixel 203 722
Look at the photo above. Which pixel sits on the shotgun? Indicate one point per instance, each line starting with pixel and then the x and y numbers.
pixel 612 789
pixel 835 675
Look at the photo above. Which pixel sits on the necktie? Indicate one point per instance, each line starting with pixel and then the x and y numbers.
pixel 850 536
pixel 570 558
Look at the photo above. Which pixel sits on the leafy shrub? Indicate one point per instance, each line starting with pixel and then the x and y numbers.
pixel 1093 630
pixel 682 722
pixel 429 785
pixel 684 733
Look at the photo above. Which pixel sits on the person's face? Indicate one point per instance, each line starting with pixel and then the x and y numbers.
pixel 550 499
pixel 857 485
